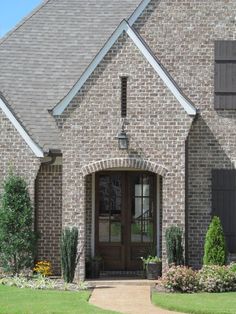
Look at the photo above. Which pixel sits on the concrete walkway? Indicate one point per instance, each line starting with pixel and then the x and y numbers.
pixel 126 299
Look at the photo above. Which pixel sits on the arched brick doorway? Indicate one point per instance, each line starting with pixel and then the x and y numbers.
pixel 123 211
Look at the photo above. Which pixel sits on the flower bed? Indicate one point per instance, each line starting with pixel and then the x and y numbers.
pixel 42 283
pixel 208 279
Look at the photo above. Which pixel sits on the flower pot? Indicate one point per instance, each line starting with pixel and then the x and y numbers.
pixel 153 270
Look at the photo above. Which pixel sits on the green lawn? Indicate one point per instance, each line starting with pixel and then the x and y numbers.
pixel 26 301
pixel 197 303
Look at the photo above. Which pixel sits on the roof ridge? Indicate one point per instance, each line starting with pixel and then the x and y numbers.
pixel 24 20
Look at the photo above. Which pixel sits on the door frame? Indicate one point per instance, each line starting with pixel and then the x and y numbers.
pixel 157 205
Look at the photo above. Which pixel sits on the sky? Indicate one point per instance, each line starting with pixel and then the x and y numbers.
pixel 12 12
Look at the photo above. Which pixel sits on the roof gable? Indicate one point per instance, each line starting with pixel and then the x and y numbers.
pixel 146 52
pixel 43 57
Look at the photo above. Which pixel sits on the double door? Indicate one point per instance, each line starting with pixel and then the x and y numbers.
pixel 125 224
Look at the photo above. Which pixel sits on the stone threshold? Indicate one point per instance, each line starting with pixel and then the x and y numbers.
pixel 120 281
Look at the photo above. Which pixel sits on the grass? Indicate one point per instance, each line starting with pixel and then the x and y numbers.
pixel 26 301
pixel 197 303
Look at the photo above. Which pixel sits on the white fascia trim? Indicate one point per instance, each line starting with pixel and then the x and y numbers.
pixel 138 12
pixel 188 107
pixel 33 146
pixel 124 26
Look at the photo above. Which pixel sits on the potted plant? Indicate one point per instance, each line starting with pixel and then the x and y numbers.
pixel 152 266
pixel 93 267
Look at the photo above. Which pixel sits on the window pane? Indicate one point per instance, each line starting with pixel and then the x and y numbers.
pixel 138 189
pixel 137 211
pixel 115 232
pixel 115 195
pixel 138 185
pixel 147 231
pixel 104 229
pixel 146 184
pixel 104 195
pixel 146 207
pixel 136 231
pixel 146 190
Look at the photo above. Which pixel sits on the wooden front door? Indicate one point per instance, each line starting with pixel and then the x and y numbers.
pixel 125 224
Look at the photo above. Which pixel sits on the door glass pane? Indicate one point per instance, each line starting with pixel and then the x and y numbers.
pixel 104 196
pixel 147 231
pixel 104 229
pixel 137 212
pixel 146 185
pixel 138 185
pixel 115 195
pixel 138 189
pixel 110 206
pixel 115 231
pixel 136 231
pixel 142 215
pixel 146 189
pixel 146 207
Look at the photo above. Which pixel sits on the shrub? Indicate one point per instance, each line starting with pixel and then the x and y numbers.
pixel 232 267
pixel 43 268
pixel 17 239
pixel 174 245
pixel 180 279
pixel 215 252
pixel 216 278
pixel 69 242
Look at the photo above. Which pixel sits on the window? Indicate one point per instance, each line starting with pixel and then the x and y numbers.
pixel 225 75
pixel 224 203
pixel 124 81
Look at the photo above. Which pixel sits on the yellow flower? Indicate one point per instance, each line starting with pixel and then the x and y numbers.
pixel 44 268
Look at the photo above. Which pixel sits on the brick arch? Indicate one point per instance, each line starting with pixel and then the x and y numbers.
pixel 134 163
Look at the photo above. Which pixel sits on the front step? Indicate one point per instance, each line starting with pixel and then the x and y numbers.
pixel 137 274
pixel 120 282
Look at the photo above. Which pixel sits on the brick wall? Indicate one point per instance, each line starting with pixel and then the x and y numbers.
pixel 182 33
pixel 157 127
pixel 16 156
pixel 48 214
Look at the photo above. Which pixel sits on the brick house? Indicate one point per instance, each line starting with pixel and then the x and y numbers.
pixel 121 117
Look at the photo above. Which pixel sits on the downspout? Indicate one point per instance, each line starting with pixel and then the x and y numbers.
pixel 186 189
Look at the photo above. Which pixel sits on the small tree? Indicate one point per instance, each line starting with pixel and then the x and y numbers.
pixel 69 242
pixel 215 252
pixel 174 245
pixel 17 239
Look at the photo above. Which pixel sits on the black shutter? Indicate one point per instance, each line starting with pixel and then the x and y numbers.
pixel 224 203
pixel 225 75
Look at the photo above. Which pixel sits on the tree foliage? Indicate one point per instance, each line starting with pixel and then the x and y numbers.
pixel 215 252
pixel 17 238
pixel 174 245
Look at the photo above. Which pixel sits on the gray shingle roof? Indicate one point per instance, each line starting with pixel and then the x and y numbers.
pixel 44 56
